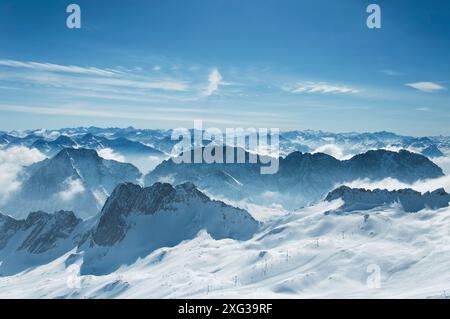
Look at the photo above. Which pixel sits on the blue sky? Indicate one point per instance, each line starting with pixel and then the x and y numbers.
pixel 289 64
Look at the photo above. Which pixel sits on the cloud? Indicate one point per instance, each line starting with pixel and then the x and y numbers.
pixel 321 87
pixel 73 187
pixel 93 83
pixel 167 179
pixel 215 79
pixel 109 154
pixel 12 161
pixel 79 111
pixel 443 162
pixel 392 72
pixel 58 68
pixel 394 184
pixel 161 85
pixel 101 84
pixel 270 195
pixel 423 109
pixel 330 149
pixel 426 86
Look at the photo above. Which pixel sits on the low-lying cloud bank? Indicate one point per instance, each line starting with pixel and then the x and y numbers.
pixel 332 150
pixel 443 162
pixel 12 161
pixel 109 154
pixel 394 184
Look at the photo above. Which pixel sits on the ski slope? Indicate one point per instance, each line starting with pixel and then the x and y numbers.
pixel 302 254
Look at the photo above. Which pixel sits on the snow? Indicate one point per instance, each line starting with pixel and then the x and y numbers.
pixel 187 251
pixel 305 254
pixel 409 200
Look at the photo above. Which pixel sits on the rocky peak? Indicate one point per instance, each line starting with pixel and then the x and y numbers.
pixel 77 154
pixel 42 231
pixel 128 199
pixel 411 200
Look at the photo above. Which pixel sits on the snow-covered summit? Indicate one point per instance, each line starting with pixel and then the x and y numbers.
pixel 35 240
pixel 174 204
pixel 411 200
pixel 135 221
pixel 75 179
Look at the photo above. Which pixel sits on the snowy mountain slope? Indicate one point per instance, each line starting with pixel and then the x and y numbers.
pixel 306 254
pixel 142 156
pixel 75 179
pixel 410 200
pixel 136 221
pixel 36 240
pixel 302 178
pixel 176 242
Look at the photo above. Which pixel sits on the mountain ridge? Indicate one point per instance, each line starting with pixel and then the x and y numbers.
pixel 411 201
pixel 302 178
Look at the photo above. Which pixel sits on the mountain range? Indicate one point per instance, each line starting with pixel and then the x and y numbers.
pixel 160 140
pixel 302 178
pixel 96 220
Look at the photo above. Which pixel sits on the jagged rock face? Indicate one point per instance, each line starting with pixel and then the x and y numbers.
pixel 42 230
pixel 8 227
pixel 48 229
pixel 135 221
pixel 36 240
pixel 160 198
pixel 74 179
pixel 411 200
pixel 302 178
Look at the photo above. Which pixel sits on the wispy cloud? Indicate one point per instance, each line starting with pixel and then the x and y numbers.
pixel 144 84
pixel 394 184
pixel 50 67
pixel 321 87
pixel 135 115
pixel 214 79
pixel 426 86
pixel 109 154
pixel 423 109
pixel 73 188
pixel 391 72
